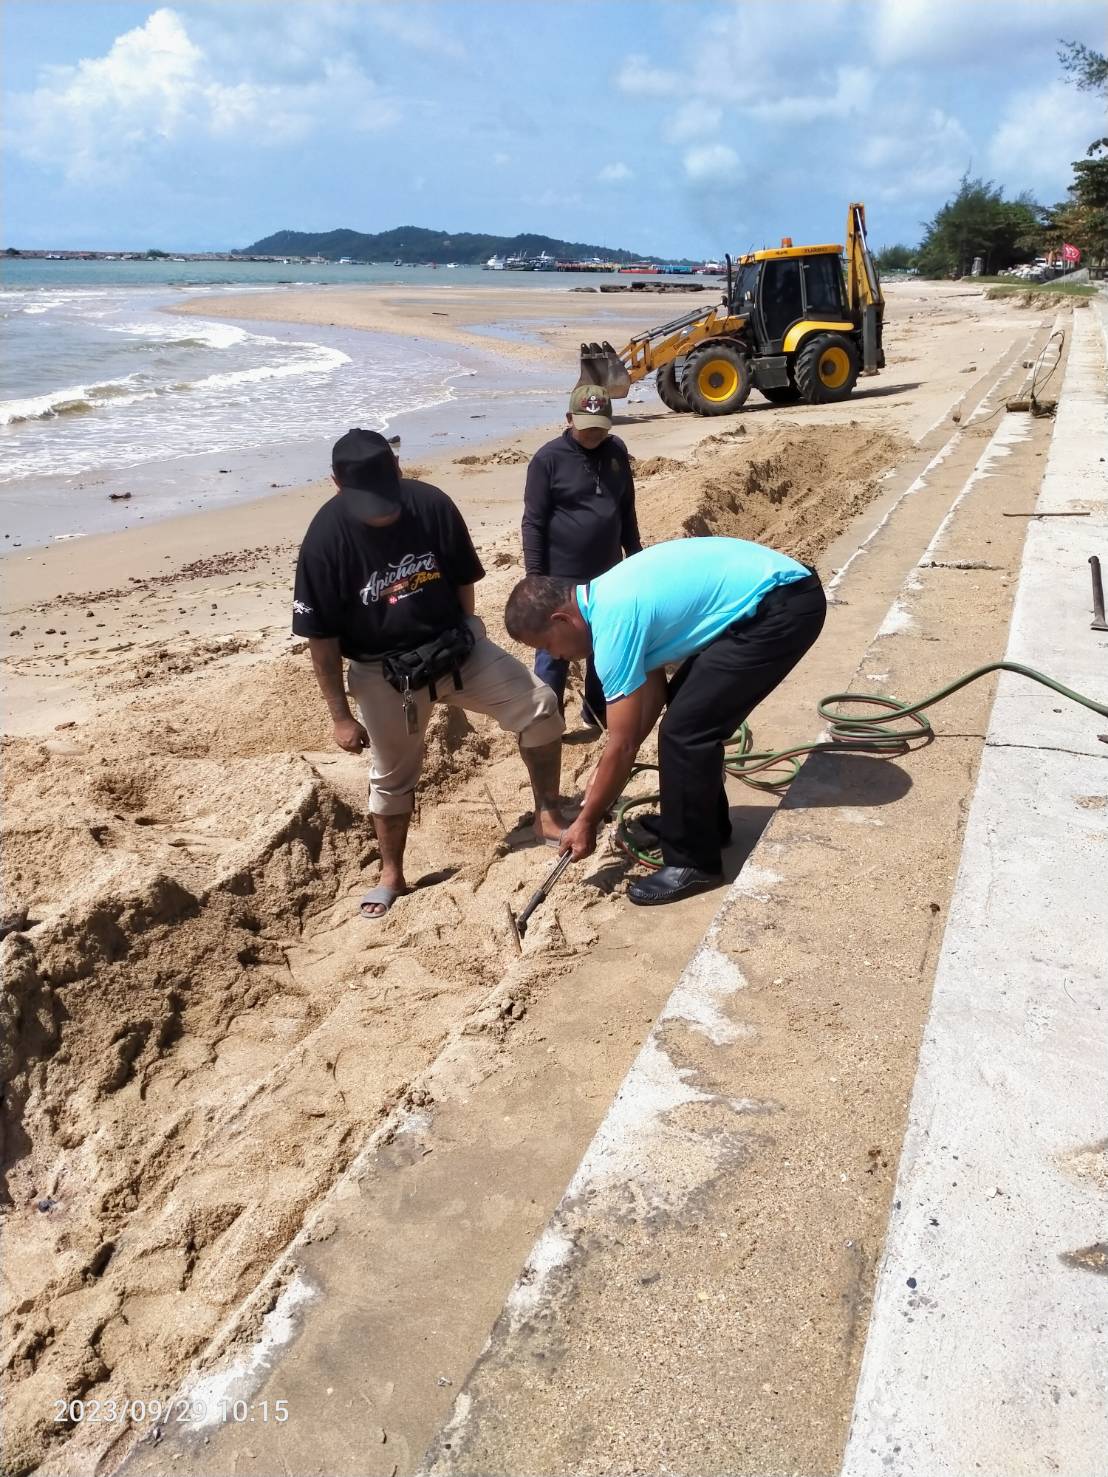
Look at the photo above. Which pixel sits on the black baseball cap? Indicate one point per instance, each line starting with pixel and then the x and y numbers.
pixel 366 472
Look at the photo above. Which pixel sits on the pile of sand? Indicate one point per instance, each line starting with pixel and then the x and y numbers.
pixel 148 1186
pixel 505 456
pixel 793 488
pixel 76 820
pixel 651 466
pixel 1030 298
pixel 199 1031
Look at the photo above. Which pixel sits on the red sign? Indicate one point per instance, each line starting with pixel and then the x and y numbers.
pixel 1070 253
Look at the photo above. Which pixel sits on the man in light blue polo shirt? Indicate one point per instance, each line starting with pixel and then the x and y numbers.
pixel 735 618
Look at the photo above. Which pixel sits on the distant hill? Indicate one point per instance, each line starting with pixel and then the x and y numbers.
pixel 411 244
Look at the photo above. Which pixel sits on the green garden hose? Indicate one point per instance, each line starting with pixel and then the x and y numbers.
pixel 774 769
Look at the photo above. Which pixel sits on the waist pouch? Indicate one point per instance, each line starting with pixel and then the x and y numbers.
pixel 443 656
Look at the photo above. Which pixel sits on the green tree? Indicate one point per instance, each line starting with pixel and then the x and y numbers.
pixel 1082 220
pixel 978 221
pixel 896 258
pixel 1087 69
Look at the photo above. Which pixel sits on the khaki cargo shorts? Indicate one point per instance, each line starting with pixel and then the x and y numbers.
pixel 493 683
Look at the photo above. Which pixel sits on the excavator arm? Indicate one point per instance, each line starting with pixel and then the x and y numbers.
pixel 863 288
pixel 618 369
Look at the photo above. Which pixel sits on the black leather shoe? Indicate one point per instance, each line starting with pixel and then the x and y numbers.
pixel 652 825
pixel 668 884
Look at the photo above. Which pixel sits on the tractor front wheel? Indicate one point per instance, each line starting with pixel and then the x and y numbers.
pixel 826 369
pixel 716 380
pixel 669 388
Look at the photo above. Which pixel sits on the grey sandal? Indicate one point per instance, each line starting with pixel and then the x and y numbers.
pixel 383 897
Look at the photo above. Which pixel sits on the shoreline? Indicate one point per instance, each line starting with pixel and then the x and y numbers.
pixel 462 312
pixel 925 342
pixel 492 499
pixel 511 332
pixel 481 397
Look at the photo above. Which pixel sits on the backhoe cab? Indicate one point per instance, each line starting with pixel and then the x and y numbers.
pixel 797 323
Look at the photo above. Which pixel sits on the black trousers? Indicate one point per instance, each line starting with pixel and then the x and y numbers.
pixel 708 698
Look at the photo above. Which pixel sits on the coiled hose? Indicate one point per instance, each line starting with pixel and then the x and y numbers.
pixel 775 769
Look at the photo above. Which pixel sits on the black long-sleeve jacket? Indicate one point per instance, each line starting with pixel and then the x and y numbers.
pixel 579 509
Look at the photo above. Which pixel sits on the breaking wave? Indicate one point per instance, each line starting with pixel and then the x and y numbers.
pixel 320 360
pixel 73 400
pixel 113 394
pixel 192 335
pixel 109 380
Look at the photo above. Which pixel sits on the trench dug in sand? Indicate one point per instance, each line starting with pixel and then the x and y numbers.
pixel 199 1033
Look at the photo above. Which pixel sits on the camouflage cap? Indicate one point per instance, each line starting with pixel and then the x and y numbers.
pixel 590 405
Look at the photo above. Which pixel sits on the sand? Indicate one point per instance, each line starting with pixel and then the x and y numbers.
pixel 199 1032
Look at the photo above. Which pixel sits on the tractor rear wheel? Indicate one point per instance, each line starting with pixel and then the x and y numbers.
pixel 826 369
pixel 669 388
pixel 780 394
pixel 716 380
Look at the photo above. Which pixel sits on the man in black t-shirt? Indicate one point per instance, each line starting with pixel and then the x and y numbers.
pixel 388 566
pixel 579 517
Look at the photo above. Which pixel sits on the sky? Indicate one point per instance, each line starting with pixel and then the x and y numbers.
pixel 668 127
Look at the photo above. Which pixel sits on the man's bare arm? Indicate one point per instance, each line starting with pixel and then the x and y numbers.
pixel 630 719
pixel 625 724
pixel 327 666
pixel 653 701
pixel 466 599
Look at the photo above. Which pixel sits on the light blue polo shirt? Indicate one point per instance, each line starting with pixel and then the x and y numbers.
pixel 662 605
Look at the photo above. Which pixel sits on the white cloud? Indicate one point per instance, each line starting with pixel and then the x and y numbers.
pixel 638 78
pixel 422 31
pixel 762 48
pixel 852 93
pixel 693 120
pixel 1041 131
pixel 156 86
pixel 918 155
pixel 289 40
pixel 712 164
pixel 615 174
pixel 974 35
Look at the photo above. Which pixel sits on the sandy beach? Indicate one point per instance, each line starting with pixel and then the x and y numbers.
pixel 200 1033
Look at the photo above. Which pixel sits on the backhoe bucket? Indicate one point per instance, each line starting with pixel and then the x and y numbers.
pixel 601 365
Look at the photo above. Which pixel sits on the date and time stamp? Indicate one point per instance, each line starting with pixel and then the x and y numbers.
pixel 165 1413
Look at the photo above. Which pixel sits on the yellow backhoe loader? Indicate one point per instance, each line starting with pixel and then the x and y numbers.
pixel 796 323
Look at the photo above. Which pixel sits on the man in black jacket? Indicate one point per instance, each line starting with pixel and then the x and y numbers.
pixel 385 579
pixel 579 517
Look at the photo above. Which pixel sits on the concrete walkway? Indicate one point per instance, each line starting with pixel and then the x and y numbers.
pixel 699 1299
pixel 988 1343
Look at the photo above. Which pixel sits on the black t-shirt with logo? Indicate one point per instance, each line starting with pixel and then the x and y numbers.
pixel 384 590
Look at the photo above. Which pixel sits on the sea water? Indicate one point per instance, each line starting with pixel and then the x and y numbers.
pixel 102 390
